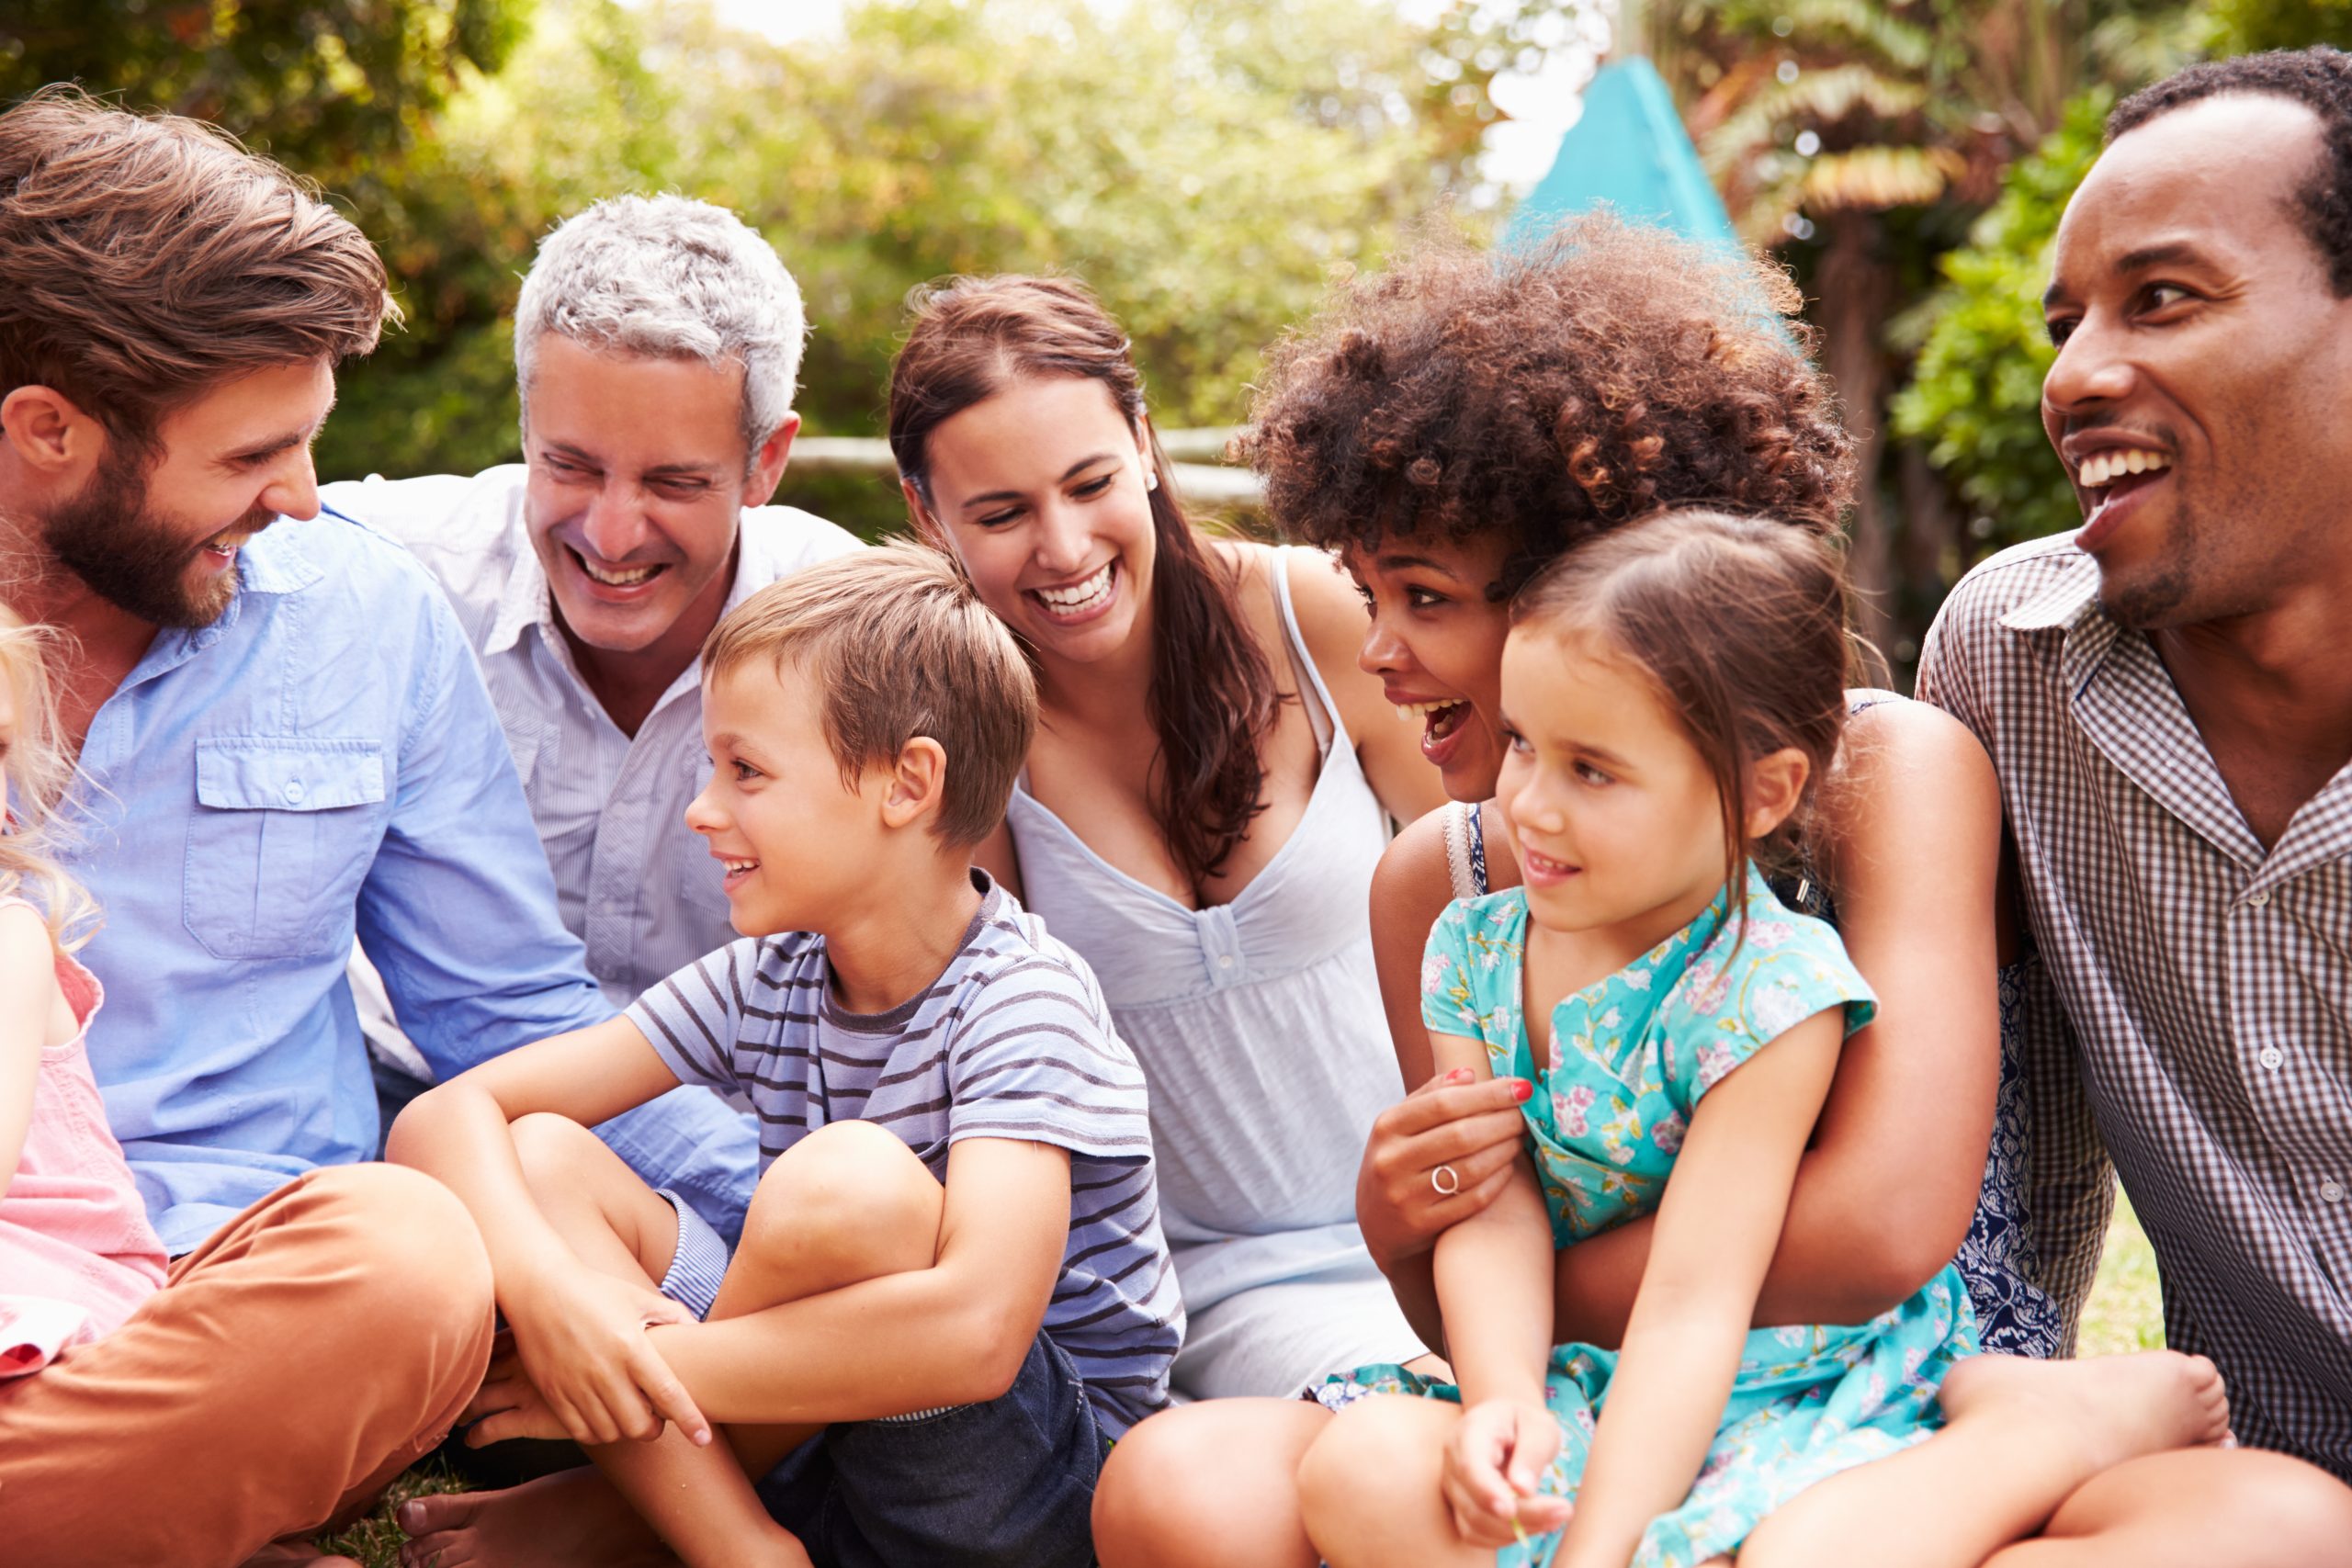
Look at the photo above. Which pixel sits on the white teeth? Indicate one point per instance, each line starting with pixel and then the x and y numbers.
pixel 1080 596
pixel 628 579
pixel 1409 711
pixel 2102 469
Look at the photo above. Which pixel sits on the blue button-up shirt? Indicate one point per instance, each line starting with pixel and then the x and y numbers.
pixel 323 762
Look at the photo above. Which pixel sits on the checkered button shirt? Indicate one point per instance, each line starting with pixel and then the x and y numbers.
pixel 2206 986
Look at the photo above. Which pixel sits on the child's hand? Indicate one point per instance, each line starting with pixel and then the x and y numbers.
pixel 582 1346
pixel 1498 1452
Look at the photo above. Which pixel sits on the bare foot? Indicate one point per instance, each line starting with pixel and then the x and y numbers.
pixel 571 1517
pixel 2111 1407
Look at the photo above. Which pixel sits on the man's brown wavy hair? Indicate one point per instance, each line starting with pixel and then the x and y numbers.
pixel 146 259
pixel 1548 394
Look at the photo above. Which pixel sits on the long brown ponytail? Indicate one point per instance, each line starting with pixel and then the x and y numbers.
pixel 1211 697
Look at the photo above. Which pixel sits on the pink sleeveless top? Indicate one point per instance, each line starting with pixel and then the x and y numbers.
pixel 77 1256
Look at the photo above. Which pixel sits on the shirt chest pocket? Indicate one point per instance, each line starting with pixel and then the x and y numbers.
pixel 282 834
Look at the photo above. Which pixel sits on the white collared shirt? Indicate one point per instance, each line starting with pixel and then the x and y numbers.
pixel 632 881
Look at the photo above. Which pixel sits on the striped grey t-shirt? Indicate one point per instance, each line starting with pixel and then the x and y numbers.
pixel 1011 1041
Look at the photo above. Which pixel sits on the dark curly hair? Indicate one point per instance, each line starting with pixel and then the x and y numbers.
pixel 2320 80
pixel 1548 393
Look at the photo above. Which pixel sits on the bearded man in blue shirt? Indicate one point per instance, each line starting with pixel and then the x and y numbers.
pixel 284 743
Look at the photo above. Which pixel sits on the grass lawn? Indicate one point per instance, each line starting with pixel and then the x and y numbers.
pixel 2123 1315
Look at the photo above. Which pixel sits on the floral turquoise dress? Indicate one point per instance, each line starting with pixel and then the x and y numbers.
pixel 1630 1058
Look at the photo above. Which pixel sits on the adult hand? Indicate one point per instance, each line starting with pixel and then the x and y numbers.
pixel 1474 1129
pixel 1500 1451
pixel 580 1336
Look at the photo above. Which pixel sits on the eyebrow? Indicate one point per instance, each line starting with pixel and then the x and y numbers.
pixel 1389 560
pixel 1068 474
pixel 2167 252
pixel 271 445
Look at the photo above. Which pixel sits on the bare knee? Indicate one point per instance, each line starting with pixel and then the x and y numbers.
pixel 850 1199
pixel 1360 1462
pixel 2300 1514
pixel 1208 1485
pixel 554 1150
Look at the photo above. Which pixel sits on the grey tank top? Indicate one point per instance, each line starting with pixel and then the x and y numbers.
pixel 1258 1022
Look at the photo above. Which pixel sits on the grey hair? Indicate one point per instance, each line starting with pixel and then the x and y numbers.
pixel 673 278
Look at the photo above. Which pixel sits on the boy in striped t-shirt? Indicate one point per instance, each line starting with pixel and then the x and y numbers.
pixel 952 1292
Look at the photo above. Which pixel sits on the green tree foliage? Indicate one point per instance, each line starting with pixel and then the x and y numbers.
pixel 1975 393
pixel 329 86
pixel 1205 166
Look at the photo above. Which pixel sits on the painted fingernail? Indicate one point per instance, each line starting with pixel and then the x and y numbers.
pixel 1459 1075
pixel 1522 1089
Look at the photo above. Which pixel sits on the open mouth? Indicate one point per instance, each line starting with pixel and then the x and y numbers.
pixel 2108 478
pixel 735 871
pixel 617 576
pixel 1441 719
pixel 1541 869
pixel 1076 601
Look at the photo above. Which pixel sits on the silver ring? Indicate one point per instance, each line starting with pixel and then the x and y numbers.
pixel 1446 1180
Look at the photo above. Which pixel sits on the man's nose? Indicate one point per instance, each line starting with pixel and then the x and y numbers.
pixel 293 490
pixel 613 526
pixel 2090 370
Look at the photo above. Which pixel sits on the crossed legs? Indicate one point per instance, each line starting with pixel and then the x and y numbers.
pixel 847 1203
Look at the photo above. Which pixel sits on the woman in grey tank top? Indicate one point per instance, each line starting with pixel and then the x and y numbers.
pixel 1210 789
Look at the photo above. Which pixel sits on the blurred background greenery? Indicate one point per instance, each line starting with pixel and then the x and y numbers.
pixel 1206 165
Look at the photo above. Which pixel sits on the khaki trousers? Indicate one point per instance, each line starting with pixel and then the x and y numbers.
pixel 308 1352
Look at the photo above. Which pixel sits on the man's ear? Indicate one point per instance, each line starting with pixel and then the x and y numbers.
pixel 50 433
pixel 1775 785
pixel 767 463
pixel 917 785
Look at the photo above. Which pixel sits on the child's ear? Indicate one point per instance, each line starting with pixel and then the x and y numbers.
pixel 1775 785
pixel 917 782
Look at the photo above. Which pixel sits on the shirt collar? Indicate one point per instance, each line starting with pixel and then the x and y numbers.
pixel 525 601
pixel 278 559
pixel 2070 607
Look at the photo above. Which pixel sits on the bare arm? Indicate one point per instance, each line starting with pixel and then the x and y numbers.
pixel 1712 1241
pixel 1912 848
pixel 27 991
pixel 1883 1199
pixel 1331 619
pixel 580 1333
pixel 955 1333
pixel 1468 1122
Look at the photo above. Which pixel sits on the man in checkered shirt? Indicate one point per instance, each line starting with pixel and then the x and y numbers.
pixel 2167 694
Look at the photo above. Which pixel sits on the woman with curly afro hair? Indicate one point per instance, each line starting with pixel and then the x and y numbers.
pixel 1447 427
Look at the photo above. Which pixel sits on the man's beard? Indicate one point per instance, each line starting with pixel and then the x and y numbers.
pixel 135 560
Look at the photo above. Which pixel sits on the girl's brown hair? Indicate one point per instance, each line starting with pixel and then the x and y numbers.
pixel 1212 696
pixel 1741 622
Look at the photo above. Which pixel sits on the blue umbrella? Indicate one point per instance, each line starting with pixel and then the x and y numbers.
pixel 1628 149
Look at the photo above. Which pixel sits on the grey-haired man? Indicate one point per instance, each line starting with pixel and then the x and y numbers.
pixel 656 342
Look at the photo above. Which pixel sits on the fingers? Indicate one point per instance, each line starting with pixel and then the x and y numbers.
pixel 1478 1492
pixel 670 1400
pixel 1441 1101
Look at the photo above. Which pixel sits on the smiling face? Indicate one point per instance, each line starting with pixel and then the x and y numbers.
pixel 161 543
pixel 1613 812
pixel 638 483
pixel 1041 492
pixel 1436 642
pixel 787 833
pixel 2201 399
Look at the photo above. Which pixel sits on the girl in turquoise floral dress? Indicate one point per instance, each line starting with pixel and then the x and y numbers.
pixel 1671 693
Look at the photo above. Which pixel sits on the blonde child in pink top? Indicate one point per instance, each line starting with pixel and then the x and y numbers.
pixel 77 1256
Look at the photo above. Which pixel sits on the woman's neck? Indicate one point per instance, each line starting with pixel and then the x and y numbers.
pixel 1106 696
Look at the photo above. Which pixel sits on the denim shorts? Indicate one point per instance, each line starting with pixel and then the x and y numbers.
pixel 1009 1483
pixel 1005 1485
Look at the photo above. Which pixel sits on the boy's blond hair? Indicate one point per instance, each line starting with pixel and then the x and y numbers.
pixel 897 645
pixel 40 776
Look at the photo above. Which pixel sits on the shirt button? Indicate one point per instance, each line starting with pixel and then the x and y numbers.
pixel 294 791
pixel 2272 1057
pixel 2257 900
pixel 2332 1190
pixel 1225 961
